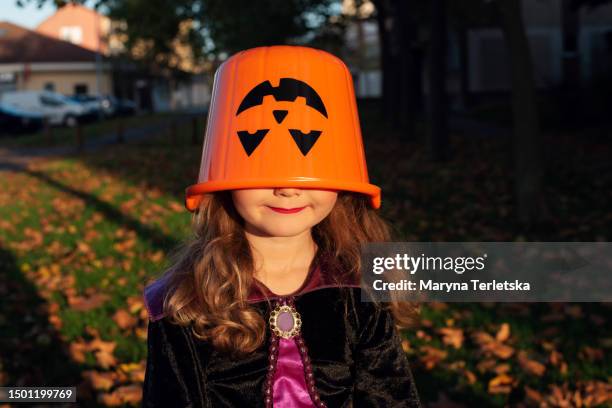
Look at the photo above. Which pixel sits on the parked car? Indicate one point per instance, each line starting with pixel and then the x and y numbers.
pixel 58 109
pixel 13 120
pixel 96 104
pixel 123 107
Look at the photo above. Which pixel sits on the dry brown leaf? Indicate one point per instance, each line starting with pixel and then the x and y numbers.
pixel 490 345
pixel 485 365
pixel 141 333
pixel 560 396
pixel 55 321
pixel 406 346
pixel 500 350
pixel 533 395
pixel 531 366
pixel 555 358
pixel 502 384
pixel 77 351
pixel 134 304
pixel 432 356
pixel 176 207
pixel 110 399
pixel 104 353
pixel 124 320
pixel 503 333
pixel 452 336
pixel 135 371
pixel 100 380
pixel 129 394
pixel 502 368
pixel 591 353
pixel 82 303
pixel 156 256
pixel 482 337
pixel 471 377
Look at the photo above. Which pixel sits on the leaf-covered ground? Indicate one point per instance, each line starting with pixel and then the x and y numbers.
pixel 80 237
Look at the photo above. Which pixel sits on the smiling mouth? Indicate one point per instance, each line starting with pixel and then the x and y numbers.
pixel 286 210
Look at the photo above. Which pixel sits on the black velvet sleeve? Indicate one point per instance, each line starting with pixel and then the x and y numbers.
pixel 164 385
pixel 383 376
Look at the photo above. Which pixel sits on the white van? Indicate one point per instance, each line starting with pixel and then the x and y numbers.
pixel 57 108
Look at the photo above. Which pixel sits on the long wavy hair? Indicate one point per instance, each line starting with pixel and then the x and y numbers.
pixel 210 275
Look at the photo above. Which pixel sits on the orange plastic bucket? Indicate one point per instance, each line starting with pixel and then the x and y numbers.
pixel 282 116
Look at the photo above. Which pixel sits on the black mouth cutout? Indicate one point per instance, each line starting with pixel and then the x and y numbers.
pixel 287 90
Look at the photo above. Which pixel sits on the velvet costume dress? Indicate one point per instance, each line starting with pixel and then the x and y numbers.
pixel 351 355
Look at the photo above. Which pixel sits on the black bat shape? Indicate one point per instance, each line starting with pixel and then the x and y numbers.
pixel 287 90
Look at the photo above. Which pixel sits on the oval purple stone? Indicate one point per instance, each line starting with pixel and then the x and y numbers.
pixel 285 321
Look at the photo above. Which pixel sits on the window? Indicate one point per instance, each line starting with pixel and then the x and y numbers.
pixel 49 100
pixel 73 34
pixel 80 89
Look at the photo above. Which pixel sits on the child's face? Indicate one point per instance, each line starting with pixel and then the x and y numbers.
pixel 256 208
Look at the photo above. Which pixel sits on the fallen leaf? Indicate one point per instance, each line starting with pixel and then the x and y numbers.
pixel 100 380
pixel 531 366
pixel 432 356
pixel 124 320
pixel 104 353
pixel 129 394
pixel 502 384
pixel 471 377
pixel 77 351
pixel 82 303
pixel 452 336
pixel 503 333
pixel 533 395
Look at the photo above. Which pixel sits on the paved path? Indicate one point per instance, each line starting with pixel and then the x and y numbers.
pixel 17 158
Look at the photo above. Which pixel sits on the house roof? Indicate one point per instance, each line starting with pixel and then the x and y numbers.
pixel 20 45
pixel 68 8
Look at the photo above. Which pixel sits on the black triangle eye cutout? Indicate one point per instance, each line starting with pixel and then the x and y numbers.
pixel 279 115
pixel 251 141
pixel 305 141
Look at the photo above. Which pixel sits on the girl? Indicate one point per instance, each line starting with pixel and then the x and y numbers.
pixel 263 307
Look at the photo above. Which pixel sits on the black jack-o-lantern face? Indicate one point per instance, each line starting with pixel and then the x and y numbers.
pixel 288 90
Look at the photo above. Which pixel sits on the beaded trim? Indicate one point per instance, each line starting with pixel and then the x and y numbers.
pixel 273 359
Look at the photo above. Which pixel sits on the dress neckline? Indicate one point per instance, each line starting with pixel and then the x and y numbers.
pixel 304 284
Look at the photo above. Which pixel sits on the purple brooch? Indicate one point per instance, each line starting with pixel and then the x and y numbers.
pixel 285 321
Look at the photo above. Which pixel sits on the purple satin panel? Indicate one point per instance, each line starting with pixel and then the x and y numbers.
pixel 290 390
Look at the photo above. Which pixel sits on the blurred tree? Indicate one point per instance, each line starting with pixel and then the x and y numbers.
pixel 529 167
pixel 234 25
pixel 152 29
pixel 438 137
pixel 572 107
pixel 401 58
pixel 393 17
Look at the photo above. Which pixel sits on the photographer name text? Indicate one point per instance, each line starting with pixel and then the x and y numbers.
pixel 430 285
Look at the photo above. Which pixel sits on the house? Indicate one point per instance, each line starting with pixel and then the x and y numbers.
pixel 150 87
pixel 32 61
pixel 81 26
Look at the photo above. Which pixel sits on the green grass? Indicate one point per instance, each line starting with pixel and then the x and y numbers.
pixel 125 203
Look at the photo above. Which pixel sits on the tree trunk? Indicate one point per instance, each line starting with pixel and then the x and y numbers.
pixel 382 11
pixel 409 84
pixel 464 80
pixel 438 138
pixel 570 27
pixel 527 149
